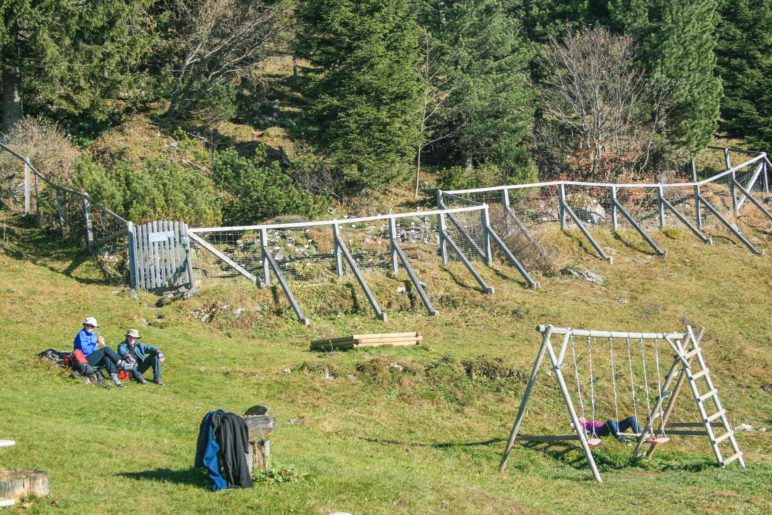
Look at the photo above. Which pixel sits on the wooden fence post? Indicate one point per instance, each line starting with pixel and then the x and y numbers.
pixel 87 216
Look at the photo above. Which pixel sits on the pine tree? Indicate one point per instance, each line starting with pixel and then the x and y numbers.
pixel 63 56
pixel 678 38
pixel 744 55
pixel 489 108
pixel 364 85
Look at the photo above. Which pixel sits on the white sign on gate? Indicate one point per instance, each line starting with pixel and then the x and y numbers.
pixel 156 237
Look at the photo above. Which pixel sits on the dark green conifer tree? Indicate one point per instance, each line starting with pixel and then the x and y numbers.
pixel 745 61
pixel 364 85
pixel 678 38
pixel 62 56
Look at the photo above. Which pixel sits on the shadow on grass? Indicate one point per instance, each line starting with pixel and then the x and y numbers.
pixel 613 459
pixel 633 246
pixel 437 445
pixel 41 247
pixel 188 476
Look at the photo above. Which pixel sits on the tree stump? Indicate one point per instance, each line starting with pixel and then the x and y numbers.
pixel 15 484
pixel 260 427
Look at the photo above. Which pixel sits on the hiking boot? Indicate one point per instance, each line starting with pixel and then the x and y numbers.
pixel 141 380
pixel 117 382
pixel 158 382
pixel 623 439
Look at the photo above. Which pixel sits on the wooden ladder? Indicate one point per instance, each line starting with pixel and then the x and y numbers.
pixel 700 375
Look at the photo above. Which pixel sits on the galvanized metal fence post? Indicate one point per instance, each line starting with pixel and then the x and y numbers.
pixel 507 207
pixel 26 188
pixel 661 203
pixel 443 249
pixel 562 200
pixel 264 250
pixel 766 176
pixel 733 178
pixel 392 243
pixel 60 209
pixel 336 246
pixel 37 197
pixel 486 221
pixel 133 254
pixel 87 216
pixel 614 221
pixel 697 207
pixel 188 255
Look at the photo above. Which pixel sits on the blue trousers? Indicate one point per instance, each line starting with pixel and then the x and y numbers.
pixel 151 361
pixel 613 427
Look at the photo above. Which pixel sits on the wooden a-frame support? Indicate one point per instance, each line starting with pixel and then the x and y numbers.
pixel 685 348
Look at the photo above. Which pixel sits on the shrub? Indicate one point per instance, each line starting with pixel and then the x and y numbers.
pixel 256 191
pixel 45 144
pixel 158 190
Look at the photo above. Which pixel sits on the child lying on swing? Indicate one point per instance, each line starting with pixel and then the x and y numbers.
pixel 611 427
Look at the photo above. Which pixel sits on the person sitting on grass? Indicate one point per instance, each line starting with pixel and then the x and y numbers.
pixel 611 427
pixel 88 342
pixel 146 355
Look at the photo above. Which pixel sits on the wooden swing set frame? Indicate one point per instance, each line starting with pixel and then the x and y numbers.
pixel 688 366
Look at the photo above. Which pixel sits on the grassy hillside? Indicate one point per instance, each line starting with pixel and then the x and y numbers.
pixel 383 430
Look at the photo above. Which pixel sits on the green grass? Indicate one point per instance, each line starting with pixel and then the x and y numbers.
pixel 366 437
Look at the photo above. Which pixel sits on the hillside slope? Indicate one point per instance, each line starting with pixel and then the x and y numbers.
pixel 382 430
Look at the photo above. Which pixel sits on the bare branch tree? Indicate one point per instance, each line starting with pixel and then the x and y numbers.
pixel 436 89
pixel 218 41
pixel 601 115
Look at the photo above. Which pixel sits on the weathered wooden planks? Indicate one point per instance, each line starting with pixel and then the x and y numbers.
pixel 160 258
pixel 367 340
pixel 15 484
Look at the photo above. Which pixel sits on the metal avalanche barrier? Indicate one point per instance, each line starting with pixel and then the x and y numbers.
pixel 319 251
pixel 717 201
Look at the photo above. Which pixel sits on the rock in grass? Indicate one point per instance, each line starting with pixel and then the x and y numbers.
pixel 583 273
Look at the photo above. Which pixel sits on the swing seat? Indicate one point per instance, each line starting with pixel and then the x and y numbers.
pixel 593 442
pixel 659 440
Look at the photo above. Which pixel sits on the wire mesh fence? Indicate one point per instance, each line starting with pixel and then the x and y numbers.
pixel 713 203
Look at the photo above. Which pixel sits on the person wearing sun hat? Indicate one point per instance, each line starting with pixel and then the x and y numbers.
pixel 146 355
pixel 88 342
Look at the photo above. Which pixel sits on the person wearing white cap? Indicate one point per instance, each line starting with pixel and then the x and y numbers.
pixel 88 342
pixel 146 355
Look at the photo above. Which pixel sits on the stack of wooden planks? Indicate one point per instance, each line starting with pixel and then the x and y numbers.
pixel 366 340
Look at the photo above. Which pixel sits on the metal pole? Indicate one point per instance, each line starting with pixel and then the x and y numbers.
pixel 661 204
pixel 60 209
pixel 727 159
pixel 766 177
pixel 133 253
pixel 521 410
pixel 614 221
pixel 26 189
pixel 87 216
pixel 443 243
pixel 486 223
pixel 697 207
pixel 338 256
pixel 266 264
pixel 37 196
pixel 507 207
pixel 562 200
pixel 392 240
pixel 732 181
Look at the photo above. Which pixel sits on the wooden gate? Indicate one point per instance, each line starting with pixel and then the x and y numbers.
pixel 160 256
